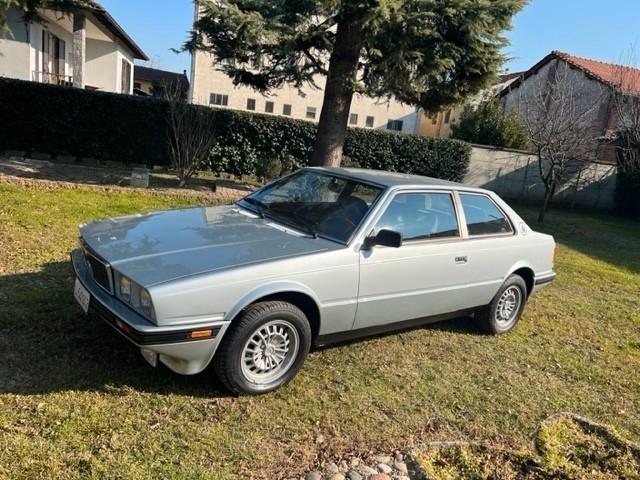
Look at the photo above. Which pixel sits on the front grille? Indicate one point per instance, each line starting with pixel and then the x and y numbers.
pixel 99 269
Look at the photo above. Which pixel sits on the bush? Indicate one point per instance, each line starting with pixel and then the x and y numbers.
pixel 123 128
pixel 68 121
pixel 253 139
pixel 487 125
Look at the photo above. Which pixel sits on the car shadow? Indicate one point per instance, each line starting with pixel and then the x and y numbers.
pixel 47 344
pixel 459 325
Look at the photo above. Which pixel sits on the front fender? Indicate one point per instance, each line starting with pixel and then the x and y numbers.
pixel 268 289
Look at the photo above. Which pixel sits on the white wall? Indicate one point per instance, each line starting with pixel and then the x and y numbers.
pixel 101 65
pixel 14 48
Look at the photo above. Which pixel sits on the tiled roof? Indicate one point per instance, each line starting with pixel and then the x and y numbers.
pixel 628 78
pixel 620 77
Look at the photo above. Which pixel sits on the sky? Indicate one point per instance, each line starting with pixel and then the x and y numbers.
pixel 600 29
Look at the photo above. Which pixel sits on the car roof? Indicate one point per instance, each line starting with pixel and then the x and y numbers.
pixel 394 179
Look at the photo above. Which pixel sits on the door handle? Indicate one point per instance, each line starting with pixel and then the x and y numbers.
pixel 462 259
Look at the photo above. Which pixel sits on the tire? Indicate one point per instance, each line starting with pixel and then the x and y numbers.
pixel 264 348
pixel 497 318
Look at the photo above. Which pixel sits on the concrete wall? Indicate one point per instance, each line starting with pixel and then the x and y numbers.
pixel 206 79
pixel 515 175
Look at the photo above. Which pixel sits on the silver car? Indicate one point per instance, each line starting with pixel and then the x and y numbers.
pixel 319 256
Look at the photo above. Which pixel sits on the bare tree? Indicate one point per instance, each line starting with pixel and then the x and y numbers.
pixel 626 133
pixel 560 120
pixel 191 134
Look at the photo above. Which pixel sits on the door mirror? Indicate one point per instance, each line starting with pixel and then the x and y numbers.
pixel 386 238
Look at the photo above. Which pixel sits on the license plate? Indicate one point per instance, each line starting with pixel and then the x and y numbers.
pixel 82 296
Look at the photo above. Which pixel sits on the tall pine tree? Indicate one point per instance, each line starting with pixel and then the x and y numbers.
pixel 428 53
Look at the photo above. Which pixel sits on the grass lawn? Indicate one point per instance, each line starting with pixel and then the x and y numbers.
pixel 78 401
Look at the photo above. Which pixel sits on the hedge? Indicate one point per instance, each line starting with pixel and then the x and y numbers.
pixel 67 121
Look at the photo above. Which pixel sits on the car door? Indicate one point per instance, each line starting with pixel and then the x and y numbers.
pixel 426 276
pixel 491 245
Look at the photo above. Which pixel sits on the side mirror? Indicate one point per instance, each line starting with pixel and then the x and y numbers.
pixel 386 238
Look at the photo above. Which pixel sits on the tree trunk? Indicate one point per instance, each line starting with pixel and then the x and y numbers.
pixel 338 92
pixel 548 195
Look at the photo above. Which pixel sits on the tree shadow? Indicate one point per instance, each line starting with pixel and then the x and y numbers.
pixel 48 345
pixel 107 175
pixel 602 236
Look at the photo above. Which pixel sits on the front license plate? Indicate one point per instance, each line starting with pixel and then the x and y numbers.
pixel 82 295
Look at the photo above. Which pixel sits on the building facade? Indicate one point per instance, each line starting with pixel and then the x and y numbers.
pixel 210 86
pixel 84 49
pixel 588 85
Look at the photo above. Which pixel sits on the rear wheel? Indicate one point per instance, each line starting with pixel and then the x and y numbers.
pixel 504 311
pixel 264 348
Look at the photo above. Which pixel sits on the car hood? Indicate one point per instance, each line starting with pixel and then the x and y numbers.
pixel 161 246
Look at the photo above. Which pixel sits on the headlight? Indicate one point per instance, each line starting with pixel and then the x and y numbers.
pixel 135 296
pixel 125 289
pixel 145 303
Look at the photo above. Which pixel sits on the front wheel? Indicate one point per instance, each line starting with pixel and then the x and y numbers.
pixel 504 311
pixel 264 348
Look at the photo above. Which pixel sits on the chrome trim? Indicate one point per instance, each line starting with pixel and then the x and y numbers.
pixel 88 252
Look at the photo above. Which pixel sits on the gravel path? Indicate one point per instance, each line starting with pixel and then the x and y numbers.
pixel 378 467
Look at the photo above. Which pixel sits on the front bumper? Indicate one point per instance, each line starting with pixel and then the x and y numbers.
pixel 175 347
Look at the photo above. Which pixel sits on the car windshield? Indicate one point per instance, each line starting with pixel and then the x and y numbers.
pixel 316 203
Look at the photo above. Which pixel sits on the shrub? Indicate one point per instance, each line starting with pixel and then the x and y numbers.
pixel 68 121
pixel 253 138
pixel 488 125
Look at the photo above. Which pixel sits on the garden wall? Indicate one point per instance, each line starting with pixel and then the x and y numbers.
pixel 514 174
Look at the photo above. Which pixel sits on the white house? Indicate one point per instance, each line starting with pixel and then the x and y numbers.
pixel 84 49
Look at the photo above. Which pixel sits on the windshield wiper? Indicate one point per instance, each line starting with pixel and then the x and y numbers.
pixel 261 207
pixel 306 224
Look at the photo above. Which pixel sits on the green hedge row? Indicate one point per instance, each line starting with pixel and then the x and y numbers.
pixel 66 121
pixel 248 144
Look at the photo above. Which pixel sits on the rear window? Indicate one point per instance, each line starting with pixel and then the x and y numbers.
pixel 483 216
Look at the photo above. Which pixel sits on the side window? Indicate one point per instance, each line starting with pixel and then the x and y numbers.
pixel 483 216
pixel 420 216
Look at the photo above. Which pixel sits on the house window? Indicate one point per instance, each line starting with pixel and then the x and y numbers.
pixel 268 107
pixel 53 58
pixel 447 116
pixel 286 109
pixel 395 125
pixel 126 76
pixel 219 99
pixel 311 113
pixel 353 119
pixel 370 121
pixel 251 103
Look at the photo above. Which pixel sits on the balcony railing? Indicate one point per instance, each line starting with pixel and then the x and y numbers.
pixel 53 78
